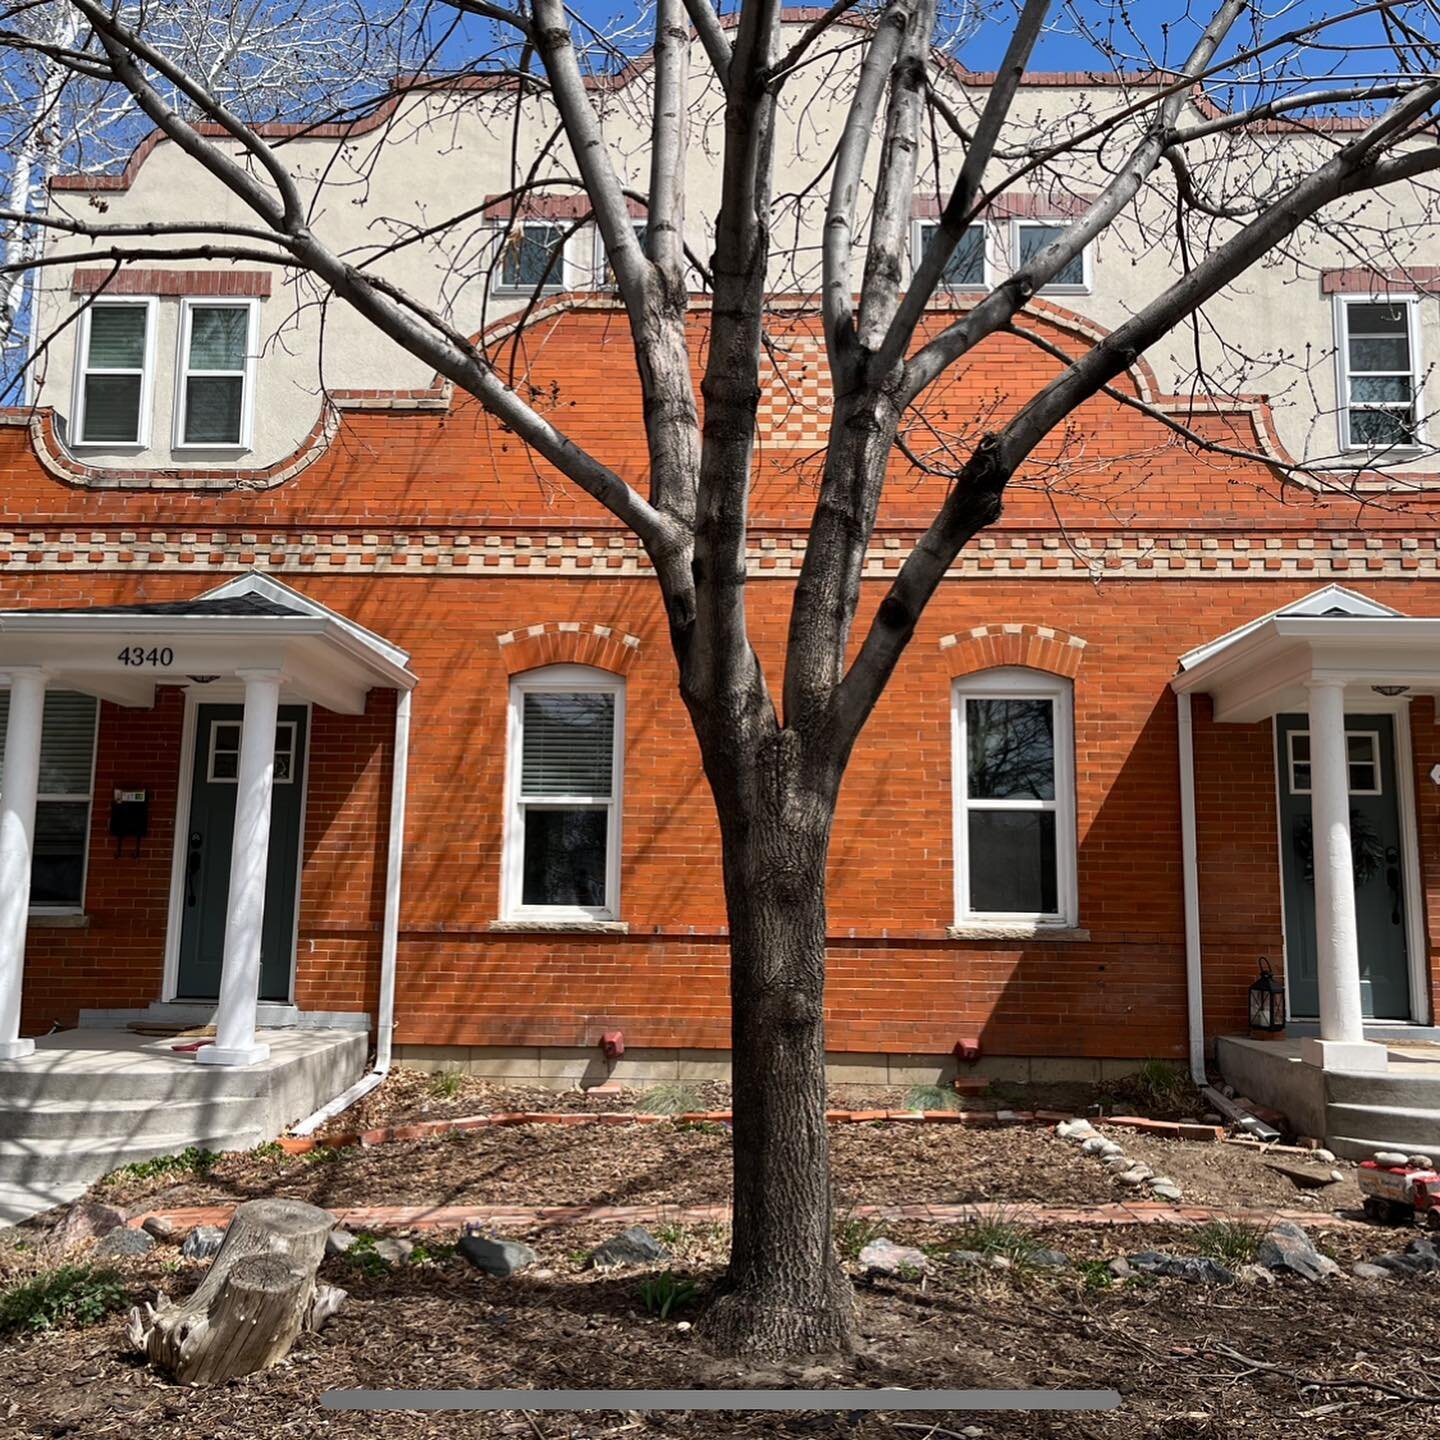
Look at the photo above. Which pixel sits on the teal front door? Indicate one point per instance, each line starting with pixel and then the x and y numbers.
pixel 1378 852
pixel 209 836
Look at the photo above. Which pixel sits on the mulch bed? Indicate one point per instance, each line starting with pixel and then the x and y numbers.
pixel 440 1324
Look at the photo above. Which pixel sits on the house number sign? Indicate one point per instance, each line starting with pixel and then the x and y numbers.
pixel 137 656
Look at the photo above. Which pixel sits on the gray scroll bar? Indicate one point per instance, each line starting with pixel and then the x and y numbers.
pixel 578 1400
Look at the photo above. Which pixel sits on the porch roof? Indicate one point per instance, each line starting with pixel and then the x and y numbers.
pixel 1335 634
pixel 122 653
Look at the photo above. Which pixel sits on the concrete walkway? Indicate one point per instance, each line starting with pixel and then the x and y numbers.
pixel 437 1217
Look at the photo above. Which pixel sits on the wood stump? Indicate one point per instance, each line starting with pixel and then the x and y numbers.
pixel 258 1294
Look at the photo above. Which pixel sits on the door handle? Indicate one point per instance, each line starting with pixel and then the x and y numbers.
pixel 1392 878
pixel 192 866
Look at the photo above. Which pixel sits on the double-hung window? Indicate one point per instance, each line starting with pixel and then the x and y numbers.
pixel 1014 798
pixel 217 374
pixel 533 257
pixel 112 403
pixel 1032 236
pixel 62 811
pixel 562 843
pixel 965 269
pixel 1379 375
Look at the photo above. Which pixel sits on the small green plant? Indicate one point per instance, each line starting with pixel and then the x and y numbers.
pixel 190 1161
pixel 325 1154
pixel 447 1084
pixel 365 1258
pixel 996 1233
pixel 1095 1274
pixel 931 1097
pixel 854 1232
pixel 435 1253
pixel 668 1234
pixel 270 1150
pixel 669 1100
pixel 1231 1242
pixel 71 1295
pixel 1158 1084
pixel 666 1292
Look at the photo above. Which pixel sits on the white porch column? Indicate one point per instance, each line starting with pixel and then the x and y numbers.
pixel 235 1042
pixel 1342 1044
pixel 19 784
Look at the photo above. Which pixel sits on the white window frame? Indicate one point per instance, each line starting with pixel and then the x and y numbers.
pixel 1017 683
pixel 83 368
pixel 1050 222
pixel 1342 372
pixel 70 798
pixel 1372 737
pixel 247 373
pixel 559 679
pixel 988 268
pixel 559 275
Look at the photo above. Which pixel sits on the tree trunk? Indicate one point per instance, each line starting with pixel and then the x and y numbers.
pixel 258 1294
pixel 785 1292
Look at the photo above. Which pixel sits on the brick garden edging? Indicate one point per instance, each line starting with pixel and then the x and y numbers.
pixel 980 1119
pixel 427 1217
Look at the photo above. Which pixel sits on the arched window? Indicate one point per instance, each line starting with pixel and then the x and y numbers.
pixel 1014 782
pixel 562 832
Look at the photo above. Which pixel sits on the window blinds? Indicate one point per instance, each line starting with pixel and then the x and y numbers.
pixel 67 742
pixel 568 745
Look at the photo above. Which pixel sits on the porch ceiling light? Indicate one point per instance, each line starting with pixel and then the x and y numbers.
pixel 202 679
pixel 1391 691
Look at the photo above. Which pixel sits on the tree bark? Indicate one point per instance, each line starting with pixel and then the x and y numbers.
pixel 785 1292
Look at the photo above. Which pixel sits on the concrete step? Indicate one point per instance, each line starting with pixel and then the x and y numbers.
pixel 20 1202
pixel 38 1162
pixel 1356 1131
pixel 127 1120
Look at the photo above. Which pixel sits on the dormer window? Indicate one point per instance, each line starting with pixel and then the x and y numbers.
pixel 216 377
pixel 116 367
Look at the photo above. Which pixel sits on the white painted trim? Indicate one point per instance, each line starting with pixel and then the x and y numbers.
pixel 1342 370
pixel 175 918
pixel 1279 778
pixel 75 440
pixel 563 678
pixel 1017 682
pixel 247 373
pixel 1190 886
pixel 394 868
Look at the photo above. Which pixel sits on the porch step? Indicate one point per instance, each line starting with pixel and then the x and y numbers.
pixel 37 1162
pixel 20 1202
pixel 131 1121
pixel 1356 1132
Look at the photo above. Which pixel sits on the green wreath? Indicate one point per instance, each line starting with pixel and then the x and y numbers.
pixel 1367 850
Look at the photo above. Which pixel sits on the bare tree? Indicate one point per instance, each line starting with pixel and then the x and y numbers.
pixel 775 763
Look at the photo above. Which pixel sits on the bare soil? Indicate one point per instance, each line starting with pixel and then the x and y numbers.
pixel 1187 1361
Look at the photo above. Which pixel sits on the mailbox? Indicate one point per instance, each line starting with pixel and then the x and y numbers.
pixel 130 817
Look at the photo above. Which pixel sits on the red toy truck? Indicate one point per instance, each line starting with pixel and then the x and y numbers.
pixel 1398 1194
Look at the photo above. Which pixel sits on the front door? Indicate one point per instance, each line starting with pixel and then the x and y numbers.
pixel 209 837
pixel 1378 858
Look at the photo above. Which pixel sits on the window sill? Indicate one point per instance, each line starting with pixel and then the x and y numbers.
pixel 559 927
pixel 1016 930
pixel 52 920
pixel 128 447
pixel 226 447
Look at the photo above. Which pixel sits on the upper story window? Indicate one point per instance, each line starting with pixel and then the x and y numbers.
pixel 62 810
pixel 217 375
pixel 965 269
pixel 1032 236
pixel 112 396
pixel 562 840
pixel 534 257
pixel 604 272
pixel 1378 349
pixel 1014 798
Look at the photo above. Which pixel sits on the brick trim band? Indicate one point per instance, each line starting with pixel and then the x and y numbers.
pixel 1039 647
pixel 1361 280
pixel 248 283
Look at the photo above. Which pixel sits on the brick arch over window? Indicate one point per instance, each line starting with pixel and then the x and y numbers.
pixel 568 642
pixel 1039 647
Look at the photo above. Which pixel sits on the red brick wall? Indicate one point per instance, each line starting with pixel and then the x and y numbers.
pixel 364 530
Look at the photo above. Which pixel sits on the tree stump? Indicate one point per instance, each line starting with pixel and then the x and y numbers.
pixel 258 1294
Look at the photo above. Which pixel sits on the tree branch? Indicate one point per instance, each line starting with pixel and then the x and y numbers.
pixel 713 39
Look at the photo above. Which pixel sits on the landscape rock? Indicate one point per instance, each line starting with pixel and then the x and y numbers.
pixel 496 1257
pixel 1364 1270
pixel 1097 1145
pixel 1118 1161
pixel 1050 1259
pixel 1255 1275
pixel 635 1246
pixel 1418 1258
pixel 203 1242
pixel 87 1220
pixel 1390 1157
pixel 1285 1247
pixel 1211 1118
pixel 1422 1162
pixel 1196 1269
pixel 1001 1262
pixel 338 1241
pixel 895 1262
pixel 1119 1267
pixel 965 1257
pixel 1163 1189
pixel 393 1250
pixel 1075 1130
pixel 1303 1177
pixel 1135 1176
pixel 124 1242
pixel 167 1232
pixel 1324 1156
